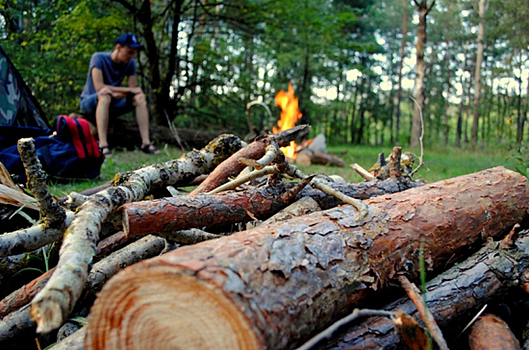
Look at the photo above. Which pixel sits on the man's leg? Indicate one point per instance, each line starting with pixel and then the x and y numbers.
pixel 142 118
pixel 102 116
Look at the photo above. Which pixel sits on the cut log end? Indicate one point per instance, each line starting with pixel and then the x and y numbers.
pixel 164 309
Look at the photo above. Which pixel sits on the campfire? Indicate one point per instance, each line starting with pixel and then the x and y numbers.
pixel 312 151
pixel 290 114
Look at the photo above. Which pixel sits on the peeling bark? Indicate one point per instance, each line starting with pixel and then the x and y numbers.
pixel 275 285
pixel 53 304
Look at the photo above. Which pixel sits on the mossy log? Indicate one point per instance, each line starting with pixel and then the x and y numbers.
pixel 276 285
pixel 53 304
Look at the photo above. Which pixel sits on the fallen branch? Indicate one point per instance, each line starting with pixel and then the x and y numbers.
pixel 426 315
pixel 171 214
pixel 54 303
pixel 28 239
pixel 275 285
pixel 54 214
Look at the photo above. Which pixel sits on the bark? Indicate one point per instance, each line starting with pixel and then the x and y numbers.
pixel 477 73
pixel 490 333
pixel 20 323
pixel 491 273
pixel 177 213
pixel 53 304
pixel 275 285
pixel 73 342
pixel 303 206
pixel 26 293
pixel 423 8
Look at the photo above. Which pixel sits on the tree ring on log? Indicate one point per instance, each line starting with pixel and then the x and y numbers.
pixel 168 310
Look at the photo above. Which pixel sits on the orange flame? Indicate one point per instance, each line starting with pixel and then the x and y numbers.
pixel 289 116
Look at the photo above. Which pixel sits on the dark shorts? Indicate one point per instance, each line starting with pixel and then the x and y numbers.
pixel 118 106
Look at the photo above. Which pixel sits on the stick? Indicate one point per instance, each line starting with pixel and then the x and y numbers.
pixel 426 315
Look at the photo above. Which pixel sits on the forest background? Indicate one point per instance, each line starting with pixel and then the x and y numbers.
pixel 363 70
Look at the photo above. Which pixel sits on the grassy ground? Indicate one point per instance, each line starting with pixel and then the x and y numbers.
pixel 439 164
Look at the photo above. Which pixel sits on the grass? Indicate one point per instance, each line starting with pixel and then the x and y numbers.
pixel 440 163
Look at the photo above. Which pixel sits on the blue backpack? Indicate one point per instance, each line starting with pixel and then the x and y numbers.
pixel 67 151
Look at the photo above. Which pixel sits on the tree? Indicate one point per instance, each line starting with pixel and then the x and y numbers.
pixel 423 8
pixel 482 6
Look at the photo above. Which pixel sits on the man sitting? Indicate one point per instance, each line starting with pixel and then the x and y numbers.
pixel 103 96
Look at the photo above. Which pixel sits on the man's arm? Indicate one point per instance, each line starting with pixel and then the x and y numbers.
pixel 117 91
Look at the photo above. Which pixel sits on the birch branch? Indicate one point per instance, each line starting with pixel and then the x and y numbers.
pixel 54 214
pixel 31 238
pixel 55 302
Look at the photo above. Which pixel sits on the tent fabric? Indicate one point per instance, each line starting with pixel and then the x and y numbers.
pixel 18 106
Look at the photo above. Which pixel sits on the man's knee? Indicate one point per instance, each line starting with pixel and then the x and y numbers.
pixel 140 100
pixel 104 96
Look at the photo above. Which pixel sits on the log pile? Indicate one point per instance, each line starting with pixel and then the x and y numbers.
pixel 249 261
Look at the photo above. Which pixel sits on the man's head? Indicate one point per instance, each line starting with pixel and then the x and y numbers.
pixel 126 46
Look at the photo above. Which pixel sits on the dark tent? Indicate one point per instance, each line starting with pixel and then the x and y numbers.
pixel 18 106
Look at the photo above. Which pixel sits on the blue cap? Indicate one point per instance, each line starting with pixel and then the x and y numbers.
pixel 129 40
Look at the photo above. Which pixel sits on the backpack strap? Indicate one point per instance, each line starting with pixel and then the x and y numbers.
pixel 83 141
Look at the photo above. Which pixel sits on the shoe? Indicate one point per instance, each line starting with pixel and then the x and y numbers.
pixel 150 149
pixel 105 151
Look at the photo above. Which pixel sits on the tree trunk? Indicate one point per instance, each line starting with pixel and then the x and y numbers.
pixel 275 285
pixel 401 63
pixel 477 74
pixel 420 78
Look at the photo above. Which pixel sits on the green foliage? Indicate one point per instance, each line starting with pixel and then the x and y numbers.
pixel 521 158
pixel 206 60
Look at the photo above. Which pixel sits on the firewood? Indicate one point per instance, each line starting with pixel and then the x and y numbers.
pixel 52 305
pixel 53 213
pixel 256 150
pixel 19 322
pixel 34 237
pixel 275 285
pixel 177 213
pixel 454 295
pixel 303 206
pixel 491 333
